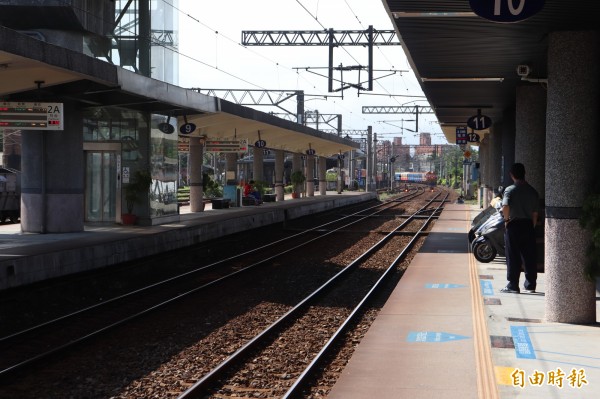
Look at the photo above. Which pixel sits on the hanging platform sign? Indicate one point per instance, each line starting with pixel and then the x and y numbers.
pixel 226 146
pixel 479 121
pixel 183 144
pixel 166 128
pixel 31 116
pixel 187 128
pixel 506 11
pixel 461 135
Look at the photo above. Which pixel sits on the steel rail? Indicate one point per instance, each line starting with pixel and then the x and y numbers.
pixel 7 370
pixel 293 391
pixel 179 276
pixel 199 388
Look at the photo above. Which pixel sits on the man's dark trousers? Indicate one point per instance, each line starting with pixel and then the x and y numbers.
pixel 519 240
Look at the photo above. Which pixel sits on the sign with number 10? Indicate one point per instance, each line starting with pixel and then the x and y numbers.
pixel 506 11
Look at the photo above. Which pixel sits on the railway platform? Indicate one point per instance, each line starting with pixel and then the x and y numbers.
pixel 31 258
pixel 448 332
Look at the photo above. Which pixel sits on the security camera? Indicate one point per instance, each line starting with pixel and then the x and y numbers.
pixel 523 70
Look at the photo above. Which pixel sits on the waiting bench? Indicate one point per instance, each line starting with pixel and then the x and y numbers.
pixel 220 203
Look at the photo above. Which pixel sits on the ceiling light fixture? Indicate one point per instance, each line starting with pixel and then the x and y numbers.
pixel 432 14
pixel 462 79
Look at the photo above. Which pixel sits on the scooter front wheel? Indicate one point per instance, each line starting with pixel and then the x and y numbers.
pixel 484 252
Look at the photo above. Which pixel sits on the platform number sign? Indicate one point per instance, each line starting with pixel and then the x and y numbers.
pixel 479 122
pixel 260 143
pixel 473 138
pixel 461 135
pixel 506 11
pixel 32 116
pixel 187 128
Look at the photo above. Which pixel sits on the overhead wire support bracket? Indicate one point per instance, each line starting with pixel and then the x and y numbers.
pixel 399 109
pixel 329 37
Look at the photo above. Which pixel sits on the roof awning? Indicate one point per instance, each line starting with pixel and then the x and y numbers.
pixel 33 70
pixel 238 122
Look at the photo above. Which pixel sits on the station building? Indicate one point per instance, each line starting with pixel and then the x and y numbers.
pixel 113 68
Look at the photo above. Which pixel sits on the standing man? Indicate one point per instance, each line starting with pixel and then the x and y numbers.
pixel 520 210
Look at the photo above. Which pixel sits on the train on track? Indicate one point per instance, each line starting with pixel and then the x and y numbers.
pixel 428 178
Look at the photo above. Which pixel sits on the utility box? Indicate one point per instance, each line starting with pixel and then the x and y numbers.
pixel 233 193
pixel 10 195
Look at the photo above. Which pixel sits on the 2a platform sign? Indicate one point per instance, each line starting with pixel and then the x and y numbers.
pixel 31 116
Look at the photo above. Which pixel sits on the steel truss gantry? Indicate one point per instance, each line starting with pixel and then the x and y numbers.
pixel 331 38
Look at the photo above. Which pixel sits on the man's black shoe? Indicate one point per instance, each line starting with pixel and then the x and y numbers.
pixel 509 290
pixel 529 291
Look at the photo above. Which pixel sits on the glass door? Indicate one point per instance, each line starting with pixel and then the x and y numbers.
pixel 102 186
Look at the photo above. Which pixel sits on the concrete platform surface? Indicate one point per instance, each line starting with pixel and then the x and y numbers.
pixel 28 258
pixel 448 332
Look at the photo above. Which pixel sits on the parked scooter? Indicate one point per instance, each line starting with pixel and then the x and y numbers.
pixel 479 220
pixel 489 239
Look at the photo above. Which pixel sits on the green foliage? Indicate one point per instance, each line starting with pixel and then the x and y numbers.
pixel 138 186
pixel 590 220
pixel 297 177
pixel 210 187
pixel 331 176
pixel 261 187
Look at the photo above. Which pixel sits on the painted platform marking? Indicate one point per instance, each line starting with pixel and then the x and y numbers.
pixel 438 285
pixel 522 342
pixel 486 287
pixel 433 336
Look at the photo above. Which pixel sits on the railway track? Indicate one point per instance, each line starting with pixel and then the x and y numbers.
pixel 306 316
pixel 99 320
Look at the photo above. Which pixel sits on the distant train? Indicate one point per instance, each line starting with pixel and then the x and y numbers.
pixel 416 177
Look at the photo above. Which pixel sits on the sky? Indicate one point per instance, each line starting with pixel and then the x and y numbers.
pixel 211 57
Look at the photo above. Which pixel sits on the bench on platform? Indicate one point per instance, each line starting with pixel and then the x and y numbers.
pixel 250 200
pixel 220 203
pixel 269 197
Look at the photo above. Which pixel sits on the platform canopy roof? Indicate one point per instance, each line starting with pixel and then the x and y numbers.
pixel 467 63
pixel 35 71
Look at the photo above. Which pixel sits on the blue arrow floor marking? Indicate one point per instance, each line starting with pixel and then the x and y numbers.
pixel 438 285
pixel 522 342
pixel 486 287
pixel 433 336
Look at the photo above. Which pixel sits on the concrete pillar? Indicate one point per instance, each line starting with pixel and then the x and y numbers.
pixel 195 162
pixel 352 170
pixel 297 165
pixel 310 172
pixel 530 137
pixel 52 183
pixel 495 149
pixel 571 139
pixel 322 175
pixel 508 147
pixel 258 173
pixel 279 167
pixel 484 168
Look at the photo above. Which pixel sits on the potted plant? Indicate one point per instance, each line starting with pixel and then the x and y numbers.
pixel 590 220
pixel 135 191
pixel 297 178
